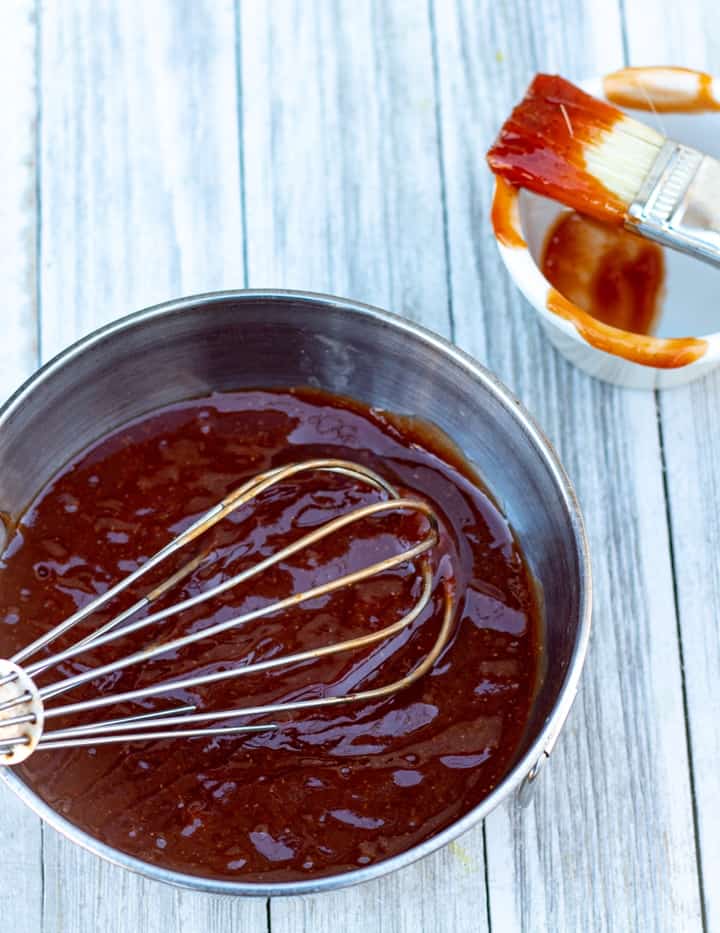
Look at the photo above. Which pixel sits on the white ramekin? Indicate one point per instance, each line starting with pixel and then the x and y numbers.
pixel 690 306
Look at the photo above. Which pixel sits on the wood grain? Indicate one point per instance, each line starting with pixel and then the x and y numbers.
pixel 141 190
pixel 141 200
pixel 340 151
pixel 83 894
pixel 612 816
pixel 21 851
pixel 344 195
pixel 687 35
pixel 18 207
pixel 339 146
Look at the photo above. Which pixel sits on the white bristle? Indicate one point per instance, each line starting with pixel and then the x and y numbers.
pixel 620 158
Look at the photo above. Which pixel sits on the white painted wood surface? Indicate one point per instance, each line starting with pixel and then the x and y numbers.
pixel 21 873
pixel 339 146
pixel 692 458
pixel 613 816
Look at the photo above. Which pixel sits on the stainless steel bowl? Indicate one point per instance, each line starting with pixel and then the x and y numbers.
pixel 228 340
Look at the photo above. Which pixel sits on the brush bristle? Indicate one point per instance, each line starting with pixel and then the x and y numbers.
pixel 576 149
pixel 621 158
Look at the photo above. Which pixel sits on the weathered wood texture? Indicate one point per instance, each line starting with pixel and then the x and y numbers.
pixel 691 36
pixel 21 852
pixel 344 195
pixel 609 843
pixel 141 199
pixel 338 146
pixel 140 181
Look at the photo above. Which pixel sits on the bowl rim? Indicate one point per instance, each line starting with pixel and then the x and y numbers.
pixel 547 735
pixel 528 277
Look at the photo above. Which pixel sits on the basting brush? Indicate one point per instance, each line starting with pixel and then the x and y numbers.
pixel 562 143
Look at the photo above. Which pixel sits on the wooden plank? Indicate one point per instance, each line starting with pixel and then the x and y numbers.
pixel 21 852
pixel 667 33
pixel 343 195
pixel 90 895
pixel 348 199
pixel 141 185
pixel 18 213
pixel 343 188
pixel 141 201
pixel 608 843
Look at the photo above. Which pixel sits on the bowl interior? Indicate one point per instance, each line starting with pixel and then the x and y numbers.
pixel 689 306
pixel 249 340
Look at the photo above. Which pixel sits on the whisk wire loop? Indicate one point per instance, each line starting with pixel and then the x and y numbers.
pixel 23 705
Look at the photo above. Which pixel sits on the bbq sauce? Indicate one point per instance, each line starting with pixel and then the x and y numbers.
pixel 662 90
pixel 610 283
pixel 504 214
pixel 328 790
pixel 543 142
pixel 615 276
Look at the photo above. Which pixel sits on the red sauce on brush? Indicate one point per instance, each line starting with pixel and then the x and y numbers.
pixel 542 146
pixel 330 790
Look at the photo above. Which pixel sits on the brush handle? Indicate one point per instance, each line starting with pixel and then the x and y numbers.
pixel 678 204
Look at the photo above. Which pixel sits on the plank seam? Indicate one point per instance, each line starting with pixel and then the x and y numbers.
pixel 38 180
pixel 486 873
pixel 624 33
pixel 441 167
pixel 241 139
pixel 38 319
pixel 42 875
pixel 377 35
pixel 681 655
pixel 673 570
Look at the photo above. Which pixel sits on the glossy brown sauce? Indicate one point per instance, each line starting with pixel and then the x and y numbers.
pixel 661 90
pixel 663 353
pixel 330 790
pixel 615 276
pixel 542 143
pixel 504 213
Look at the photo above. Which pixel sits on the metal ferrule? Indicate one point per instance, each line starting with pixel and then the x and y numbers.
pixel 678 204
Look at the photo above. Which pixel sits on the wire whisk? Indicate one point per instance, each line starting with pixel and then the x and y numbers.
pixel 26 709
